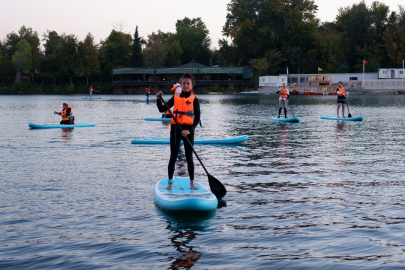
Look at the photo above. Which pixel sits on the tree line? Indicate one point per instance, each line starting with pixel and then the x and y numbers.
pixel 268 35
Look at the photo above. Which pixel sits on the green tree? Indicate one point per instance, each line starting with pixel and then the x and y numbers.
pixel 327 49
pixel 155 51
pixel 136 59
pixel 173 56
pixel 66 54
pixel 394 43
pixel 48 67
pixel 88 58
pixel 7 68
pixel 22 58
pixel 52 41
pixel 194 40
pixel 255 26
pixel 33 40
pixel 115 52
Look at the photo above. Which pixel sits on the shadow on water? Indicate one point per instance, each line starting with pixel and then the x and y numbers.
pixel 184 227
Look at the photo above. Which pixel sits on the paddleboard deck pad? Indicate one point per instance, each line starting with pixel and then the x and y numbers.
pixel 229 140
pixel 329 117
pixel 158 119
pixel 182 197
pixel 31 125
pixel 282 119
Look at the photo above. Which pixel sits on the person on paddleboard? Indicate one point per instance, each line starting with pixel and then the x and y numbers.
pixel 341 99
pixel 67 115
pixel 147 92
pixel 177 89
pixel 91 91
pixel 186 110
pixel 283 100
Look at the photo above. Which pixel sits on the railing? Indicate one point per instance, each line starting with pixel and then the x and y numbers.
pixel 384 82
pixel 198 82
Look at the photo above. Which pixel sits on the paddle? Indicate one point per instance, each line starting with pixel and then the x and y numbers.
pixel 288 103
pixel 349 115
pixel 216 186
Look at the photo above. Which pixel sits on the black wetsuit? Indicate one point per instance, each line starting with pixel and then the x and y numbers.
pixel 176 137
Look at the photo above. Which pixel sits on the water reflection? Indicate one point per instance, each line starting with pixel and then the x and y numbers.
pixel 184 227
pixel 282 135
pixel 67 134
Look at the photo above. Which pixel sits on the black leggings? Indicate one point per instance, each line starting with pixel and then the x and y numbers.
pixel 68 122
pixel 175 138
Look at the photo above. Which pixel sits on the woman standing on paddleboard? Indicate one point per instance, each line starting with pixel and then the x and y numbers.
pixel 186 110
pixel 341 100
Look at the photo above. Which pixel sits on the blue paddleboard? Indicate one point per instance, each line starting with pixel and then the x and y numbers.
pixel 182 197
pixel 196 141
pixel 91 98
pixel 158 119
pixel 145 101
pixel 329 117
pixel 282 119
pixel 31 125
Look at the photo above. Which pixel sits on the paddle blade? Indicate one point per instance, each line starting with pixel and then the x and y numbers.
pixel 216 187
pixel 349 115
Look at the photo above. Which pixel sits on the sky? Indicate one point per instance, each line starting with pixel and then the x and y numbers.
pixel 99 17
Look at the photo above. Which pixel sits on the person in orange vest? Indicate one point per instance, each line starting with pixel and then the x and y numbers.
pixel 186 111
pixel 283 100
pixel 176 88
pixel 147 92
pixel 67 115
pixel 91 91
pixel 341 99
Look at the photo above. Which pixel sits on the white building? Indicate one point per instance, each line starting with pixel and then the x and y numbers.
pixel 391 73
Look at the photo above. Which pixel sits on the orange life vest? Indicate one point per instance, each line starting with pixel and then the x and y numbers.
pixel 183 109
pixel 63 112
pixel 342 90
pixel 283 93
pixel 147 91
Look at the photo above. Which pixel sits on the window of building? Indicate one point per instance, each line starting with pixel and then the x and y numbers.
pixel 353 79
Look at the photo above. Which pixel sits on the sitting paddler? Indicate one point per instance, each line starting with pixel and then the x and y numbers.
pixel 167 114
pixel 186 110
pixel 283 100
pixel 67 115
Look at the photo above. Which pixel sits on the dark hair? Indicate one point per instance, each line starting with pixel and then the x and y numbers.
pixel 65 104
pixel 187 76
pixel 339 82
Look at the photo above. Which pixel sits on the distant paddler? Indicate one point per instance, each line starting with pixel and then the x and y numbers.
pixel 283 100
pixel 341 99
pixel 91 91
pixel 147 93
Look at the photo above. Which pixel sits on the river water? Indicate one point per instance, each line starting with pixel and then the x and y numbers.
pixel 317 194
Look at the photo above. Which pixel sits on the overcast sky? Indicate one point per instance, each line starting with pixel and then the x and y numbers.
pixel 100 16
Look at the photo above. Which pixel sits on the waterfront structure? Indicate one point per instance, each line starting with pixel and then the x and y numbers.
pixel 204 75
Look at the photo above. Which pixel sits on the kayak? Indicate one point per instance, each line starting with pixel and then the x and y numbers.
pixel 329 117
pixel 158 119
pixel 196 141
pixel 62 126
pixel 291 119
pixel 182 197
pixel 91 98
